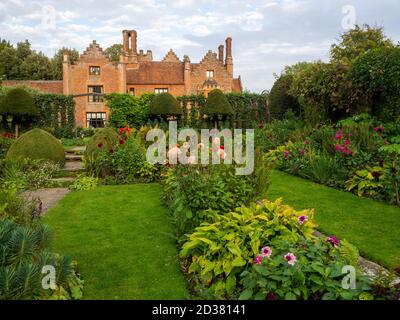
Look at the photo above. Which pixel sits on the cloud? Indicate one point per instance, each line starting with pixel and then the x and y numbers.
pixel 267 34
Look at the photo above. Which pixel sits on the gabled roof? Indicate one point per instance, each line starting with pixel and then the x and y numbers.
pixel 156 72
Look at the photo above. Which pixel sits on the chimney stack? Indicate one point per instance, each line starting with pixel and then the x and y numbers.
pixel 133 35
pixel 125 36
pixel 228 47
pixel 221 53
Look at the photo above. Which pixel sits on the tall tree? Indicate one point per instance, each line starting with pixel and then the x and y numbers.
pixel 114 52
pixel 357 41
pixel 57 61
pixel 10 62
pixel 36 66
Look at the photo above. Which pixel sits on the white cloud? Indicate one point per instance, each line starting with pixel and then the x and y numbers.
pixel 267 34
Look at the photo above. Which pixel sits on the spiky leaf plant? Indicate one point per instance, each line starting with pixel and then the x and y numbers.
pixel 23 253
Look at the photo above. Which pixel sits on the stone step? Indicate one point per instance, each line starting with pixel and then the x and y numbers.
pixel 63 179
pixel 73 166
pixel 73 157
pixel 78 149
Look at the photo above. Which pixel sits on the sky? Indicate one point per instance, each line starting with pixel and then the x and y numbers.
pixel 267 35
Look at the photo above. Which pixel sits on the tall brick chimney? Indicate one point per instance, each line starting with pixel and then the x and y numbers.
pixel 125 36
pixel 221 53
pixel 133 35
pixel 228 42
pixel 228 60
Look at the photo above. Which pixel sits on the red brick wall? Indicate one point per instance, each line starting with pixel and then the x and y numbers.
pixel 42 85
pixel 174 89
pixel 81 79
pixel 221 76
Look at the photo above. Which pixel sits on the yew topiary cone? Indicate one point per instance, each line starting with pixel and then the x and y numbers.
pixel 37 144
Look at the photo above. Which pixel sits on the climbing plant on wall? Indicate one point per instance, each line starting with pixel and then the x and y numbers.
pixel 250 109
pixel 56 111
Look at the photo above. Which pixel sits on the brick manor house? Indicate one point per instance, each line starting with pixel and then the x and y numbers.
pixel 136 73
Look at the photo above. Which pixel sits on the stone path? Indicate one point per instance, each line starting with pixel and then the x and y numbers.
pixel 369 268
pixel 48 198
pixel 45 198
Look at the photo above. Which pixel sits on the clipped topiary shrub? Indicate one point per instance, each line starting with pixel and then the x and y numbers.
pixel 103 139
pixel 37 144
pixel 280 101
pixel 18 103
pixel 165 104
pixel 217 104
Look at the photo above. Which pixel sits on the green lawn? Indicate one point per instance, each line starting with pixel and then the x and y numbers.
pixel 120 236
pixel 372 226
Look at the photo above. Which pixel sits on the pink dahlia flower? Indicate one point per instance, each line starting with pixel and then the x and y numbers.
pixel 302 219
pixel 290 258
pixel 334 241
pixel 266 252
pixel 258 260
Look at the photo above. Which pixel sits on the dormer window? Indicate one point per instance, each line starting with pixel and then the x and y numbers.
pixel 94 71
pixel 210 73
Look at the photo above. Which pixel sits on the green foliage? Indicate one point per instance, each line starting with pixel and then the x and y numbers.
pixel 24 253
pixel 367 182
pixel 357 41
pixel 249 109
pixel 56 112
pixel 189 190
pixel 280 101
pixel 38 174
pixel 57 61
pixel 217 104
pixel 220 250
pixel 126 109
pixel 113 52
pixel 277 133
pixel 18 102
pixel 165 104
pixel 6 140
pixel 23 63
pixel 103 139
pixel 377 72
pixel 127 163
pixel 37 144
pixel 85 183
pixel 316 274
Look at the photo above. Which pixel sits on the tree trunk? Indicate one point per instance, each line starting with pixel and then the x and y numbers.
pixel 16 131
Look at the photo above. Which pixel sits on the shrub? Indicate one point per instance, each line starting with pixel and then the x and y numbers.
pixel 217 105
pixel 280 101
pixel 125 163
pixel 37 144
pixel 85 183
pixel 18 103
pixel 6 140
pixel 24 253
pixel 304 269
pixel 126 109
pixel 217 252
pixel 377 72
pixel 189 190
pixel 165 104
pixel 103 139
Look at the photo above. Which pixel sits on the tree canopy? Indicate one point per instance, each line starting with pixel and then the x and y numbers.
pixel 113 52
pixel 357 41
pixel 165 104
pixel 217 104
